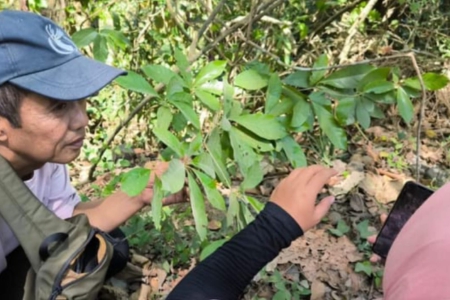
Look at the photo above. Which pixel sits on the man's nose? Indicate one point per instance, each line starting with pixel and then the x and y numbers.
pixel 79 115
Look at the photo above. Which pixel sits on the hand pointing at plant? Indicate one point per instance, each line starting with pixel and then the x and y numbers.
pixel 297 194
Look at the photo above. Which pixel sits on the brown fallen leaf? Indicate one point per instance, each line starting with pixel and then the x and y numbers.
pixel 316 253
pixel 382 188
pixel 318 290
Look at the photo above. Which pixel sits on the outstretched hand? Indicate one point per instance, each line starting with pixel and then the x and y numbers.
pixel 297 195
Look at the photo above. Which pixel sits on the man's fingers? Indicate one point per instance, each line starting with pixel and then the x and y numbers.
pixel 371 239
pixel 179 197
pixel 383 218
pixel 319 179
pixel 305 174
pixel 375 258
pixel 323 207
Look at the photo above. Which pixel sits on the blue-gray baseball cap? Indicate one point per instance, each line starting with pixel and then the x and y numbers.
pixel 37 55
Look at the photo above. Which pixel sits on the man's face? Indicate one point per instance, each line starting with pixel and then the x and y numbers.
pixel 51 131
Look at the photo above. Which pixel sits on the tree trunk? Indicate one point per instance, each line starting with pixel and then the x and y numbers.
pixel 56 11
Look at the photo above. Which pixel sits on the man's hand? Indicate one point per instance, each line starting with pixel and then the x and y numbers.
pixel 371 239
pixel 157 169
pixel 297 195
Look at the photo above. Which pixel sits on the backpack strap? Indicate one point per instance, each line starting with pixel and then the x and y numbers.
pixel 33 224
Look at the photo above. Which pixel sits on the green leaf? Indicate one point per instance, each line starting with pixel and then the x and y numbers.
pixel 211 248
pixel 84 37
pixel 100 48
pixel 378 74
pixel 365 267
pixel 208 99
pixel 301 113
pixel 284 106
pixel 158 196
pixel 164 117
pixel 273 92
pixel 183 101
pixel 210 71
pixel 195 145
pixel 378 87
pixel 252 176
pixel 362 115
pixel 173 178
pixel 336 134
pixel 345 111
pixel 348 77
pixel 233 209
pixel 320 98
pixel 316 76
pixel 136 83
pixel 198 207
pixel 243 153
pixel 117 37
pixel 214 148
pixel 265 126
pixel 341 229
pixel 183 65
pixel 254 142
pixel 205 163
pixel 210 188
pixel 169 139
pixel 255 203
pixel 434 81
pixel 404 104
pixel 377 113
pixel 175 86
pixel 298 79
pixel 293 152
pixel 159 73
pixel 250 80
pixel 363 229
pixel 134 182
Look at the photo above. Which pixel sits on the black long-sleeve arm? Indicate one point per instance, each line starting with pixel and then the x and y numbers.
pixel 225 274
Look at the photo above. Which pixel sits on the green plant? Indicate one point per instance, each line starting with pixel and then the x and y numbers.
pixel 234 135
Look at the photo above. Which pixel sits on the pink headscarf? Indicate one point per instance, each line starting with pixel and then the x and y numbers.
pixel 418 264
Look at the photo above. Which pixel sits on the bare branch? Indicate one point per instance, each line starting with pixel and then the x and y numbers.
pixel 421 113
pixel 348 41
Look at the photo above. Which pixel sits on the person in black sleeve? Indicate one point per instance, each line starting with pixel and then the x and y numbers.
pixel 291 211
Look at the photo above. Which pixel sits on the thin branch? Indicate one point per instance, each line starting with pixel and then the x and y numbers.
pixel 176 17
pixel 210 19
pixel 348 41
pixel 193 47
pixel 421 113
pixel 334 17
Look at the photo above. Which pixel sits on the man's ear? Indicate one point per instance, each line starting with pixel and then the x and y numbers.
pixel 4 125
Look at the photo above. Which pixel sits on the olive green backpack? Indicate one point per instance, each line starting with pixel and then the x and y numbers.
pixel 69 259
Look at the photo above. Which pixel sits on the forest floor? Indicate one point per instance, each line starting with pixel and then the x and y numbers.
pixel 330 261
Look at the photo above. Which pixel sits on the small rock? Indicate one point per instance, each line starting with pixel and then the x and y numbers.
pixel 373 211
pixel 334 217
pixel 356 202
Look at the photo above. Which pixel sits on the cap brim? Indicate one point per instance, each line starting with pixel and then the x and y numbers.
pixel 76 79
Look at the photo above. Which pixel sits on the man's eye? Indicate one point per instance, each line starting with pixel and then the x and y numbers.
pixel 60 106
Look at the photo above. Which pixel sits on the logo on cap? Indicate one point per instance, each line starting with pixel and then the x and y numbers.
pixel 59 41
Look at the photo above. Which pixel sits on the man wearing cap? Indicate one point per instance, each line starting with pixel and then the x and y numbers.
pixel 44 83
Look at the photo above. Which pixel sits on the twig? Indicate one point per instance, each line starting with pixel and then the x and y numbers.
pixel 334 17
pixel 210 19
pixel 348 41
pixel 201 31
pixel 176 17
pixel 421 113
